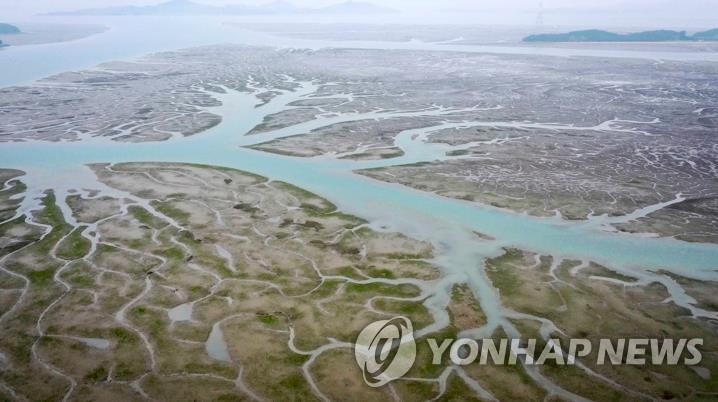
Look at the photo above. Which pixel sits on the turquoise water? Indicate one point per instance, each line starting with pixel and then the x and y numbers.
pixel 441 220
pixel 447 223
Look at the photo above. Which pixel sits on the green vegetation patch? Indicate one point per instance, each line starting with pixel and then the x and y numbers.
pixel 502 273
pixel 74 246
pixel 79 275
pixel 144 217
pixel 97 375
pixel 41 277
pixel 404 290
pixel 123 336
pixel 51 215
pixel 166 208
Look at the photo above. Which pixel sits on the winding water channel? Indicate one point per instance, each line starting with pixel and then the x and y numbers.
pixel 448 224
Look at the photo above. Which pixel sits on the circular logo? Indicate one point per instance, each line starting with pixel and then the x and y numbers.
pixel 385 350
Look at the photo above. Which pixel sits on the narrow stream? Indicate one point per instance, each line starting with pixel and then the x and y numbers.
pixel 448 224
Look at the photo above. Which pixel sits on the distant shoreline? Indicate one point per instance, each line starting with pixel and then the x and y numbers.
pixel 45 33
pixel 596 35
pixel 188 7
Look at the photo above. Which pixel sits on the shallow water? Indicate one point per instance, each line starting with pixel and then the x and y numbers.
pixel 396 207
pixel 215 346
pixel 130 37
pixel 448 224
pixel 97 343
pixel 183 312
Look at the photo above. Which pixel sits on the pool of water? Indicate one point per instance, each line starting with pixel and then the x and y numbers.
pixel 447 223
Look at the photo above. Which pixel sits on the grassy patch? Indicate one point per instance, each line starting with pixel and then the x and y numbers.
pixel 502 274
pixel 144 217
pixel 97 375
pixel 380 273
pixel 41 277
pixel 51 215
pixel 123 336
pixel 381 288
pixel 267 319
pixel 171 211
pixel 79 277
pixel 172 253
pixel 74 246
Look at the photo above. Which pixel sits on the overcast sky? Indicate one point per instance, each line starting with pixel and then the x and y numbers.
pixel 648 13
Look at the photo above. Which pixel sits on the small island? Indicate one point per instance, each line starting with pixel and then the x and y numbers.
pixel 711 35
pixel 8 29
pixel 36 33
pixel 597 35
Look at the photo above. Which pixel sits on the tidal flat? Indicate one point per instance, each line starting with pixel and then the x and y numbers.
pixel 44 33
pixel 130 273
pixel 222 285
pixel 504 130
pixel 120 297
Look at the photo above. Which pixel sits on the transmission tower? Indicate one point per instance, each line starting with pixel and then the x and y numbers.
pixel 539 16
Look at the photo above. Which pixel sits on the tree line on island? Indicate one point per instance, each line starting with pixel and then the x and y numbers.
pixel 597 35
pixel 7 29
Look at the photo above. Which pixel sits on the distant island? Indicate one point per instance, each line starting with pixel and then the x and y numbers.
pixel 597 35
pixel 710 35
pixel 7 29
pixel 187 7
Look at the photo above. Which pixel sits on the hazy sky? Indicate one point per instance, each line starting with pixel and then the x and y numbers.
pixel 669 13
